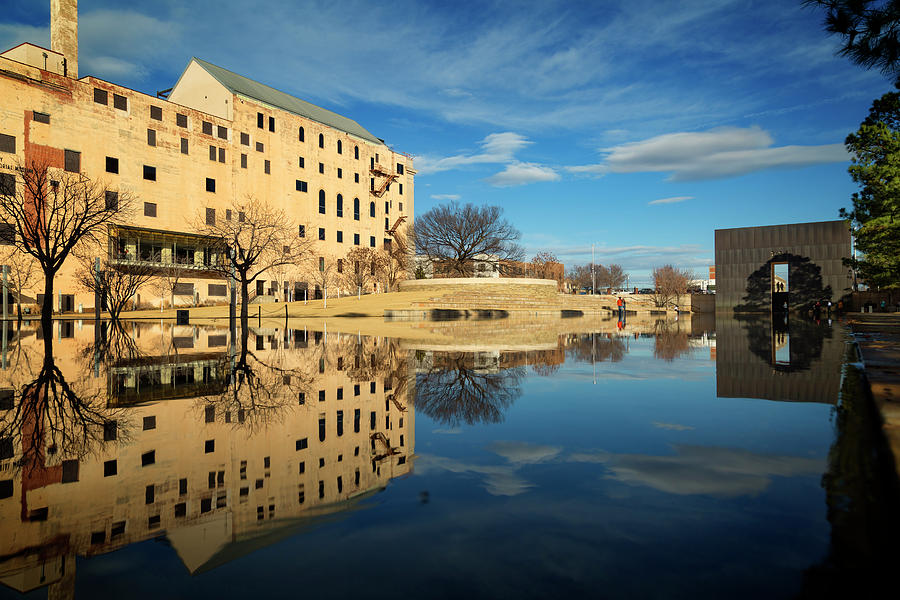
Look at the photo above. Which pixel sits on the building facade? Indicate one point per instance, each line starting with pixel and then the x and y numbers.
pixel 218 140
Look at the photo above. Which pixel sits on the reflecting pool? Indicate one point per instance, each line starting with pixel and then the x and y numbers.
pixel 675 459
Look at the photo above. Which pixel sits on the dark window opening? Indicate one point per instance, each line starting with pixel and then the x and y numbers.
pixel 112 165
pixel 156 113
pixel 101 96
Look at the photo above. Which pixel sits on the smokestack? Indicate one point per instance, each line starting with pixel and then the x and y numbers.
pixel 64 32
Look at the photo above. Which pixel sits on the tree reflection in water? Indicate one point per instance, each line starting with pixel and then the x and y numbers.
pixel 53 417
pixel 595 347
pixel 671 341
pixel 453 391
pixel 806 340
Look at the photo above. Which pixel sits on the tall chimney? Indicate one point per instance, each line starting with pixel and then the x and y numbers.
pixel 64 32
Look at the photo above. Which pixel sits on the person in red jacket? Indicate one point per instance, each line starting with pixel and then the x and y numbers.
pixel 621 304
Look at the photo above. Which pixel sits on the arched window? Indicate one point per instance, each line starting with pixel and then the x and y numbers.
pixel 340 147
pixel 356 152
pixel 340 205
pixel 371 209
pixel 322 202
pixel 356 209
pixel 321 141
pixel 302 136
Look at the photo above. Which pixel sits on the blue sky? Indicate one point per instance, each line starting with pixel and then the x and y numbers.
pixel 638 126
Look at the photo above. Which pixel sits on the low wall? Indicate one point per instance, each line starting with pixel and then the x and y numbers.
pixel 510 287
pixel 703 303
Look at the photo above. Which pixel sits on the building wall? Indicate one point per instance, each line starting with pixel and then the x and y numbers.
pixel 179 191
pixel 813 251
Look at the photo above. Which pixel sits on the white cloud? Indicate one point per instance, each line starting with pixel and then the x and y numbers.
pixel 520 173
pixel 524 453
pixel 672 426
pixel 717 153
pixel 671 200
pixel 445 196
pixel 496 148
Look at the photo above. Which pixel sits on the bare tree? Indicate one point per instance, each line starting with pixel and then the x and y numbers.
pixel 456 237
pixel 115 285
pixel 361 268
pixel 545 265
pixel 322 271
pixel 669 284
pixel 252 239
pixel 23 273
pixel 398 257
pixel 52 211
pixel 613 276
pixel 168 275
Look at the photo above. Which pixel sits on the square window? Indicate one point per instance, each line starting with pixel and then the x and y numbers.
pixel 245 139
pixel 209 446
pixel 148 458
pixel 222 132
pixel 101 96
pixel 149 209
pixel 149 423
pixel 73 161
pixel 322 233
pixel 112 165
pixel 117 529
pixel 184 145
pixel 260 147
pixel 110 468
pixel 181 120
pixel 98 537
pixel 112 200
pixel 180 510
pixel 153 522
pixel 210 184
pixel 259 483
pixel 41 117
pixel 207 127
pixel 302 444
pixel 69 471
pixel 7 143
pixel 301 186
pixel 267 167
pixel 156 113
pixel 205 505
pixel 120 102
pixel 149 173
pixel 243 161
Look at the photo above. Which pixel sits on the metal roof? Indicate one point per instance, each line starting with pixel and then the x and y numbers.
pixel 238 84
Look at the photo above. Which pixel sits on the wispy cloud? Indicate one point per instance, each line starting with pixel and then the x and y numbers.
pixel 717 153
pixel 637 257
pixel 496 148
pixel 520 173
pixel 445 196
pixel 672 200
pixel 672 426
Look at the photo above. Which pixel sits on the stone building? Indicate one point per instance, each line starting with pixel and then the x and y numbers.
pixel 217 140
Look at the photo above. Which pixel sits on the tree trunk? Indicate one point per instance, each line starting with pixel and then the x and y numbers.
pixel 47 305
pixel 245 300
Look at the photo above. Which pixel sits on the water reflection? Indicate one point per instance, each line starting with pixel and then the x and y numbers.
pixel 139 431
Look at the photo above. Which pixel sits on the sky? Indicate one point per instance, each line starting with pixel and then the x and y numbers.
pixel 636 126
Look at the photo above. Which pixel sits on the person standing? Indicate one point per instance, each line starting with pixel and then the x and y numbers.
pixel 621 304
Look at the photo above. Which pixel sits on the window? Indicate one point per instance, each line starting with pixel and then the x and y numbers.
pixel 356 152
pixel 210 216
pixel 245 139
pixel 182 487
pixel 73 161
pixel 356 239
pixel 260 120
pixel 340 173
pixel 222 132
pixel 371 241
pixel 6 488
pixel 120 102
pixel 184 145
pixel 181 120
pixel 302 231
pixel 387 208
pixel 322 202
pixel 399 169
pixel 321 168
pixel 41 117
pixel 301 186
pixel 372 183
pixel 156 113
pixel 212 153
pixel 321 267
pixel 356 178
pixel 149 423
pixel 207 127
pixel 112 165
pixel 243 161
pixel 69 471
pixel 321 141
pixel 241 216
pixel 149 209
pixel 401 205
pixel 180 510
pixel 260 147
pixel 267 167
pixel 371 209
pixel 340 148
pixel 148 458
pixel 356 209
pixel 272 124
pixel 301 135
pixel 400 190
pixel 209 446
pixel 112 200
pixel 340 265
pixel 210 184
pixel 221 155
pixel 7 143
pixel 149 173
pixel 340 205
pixel 110 468
pixel 387 225
pixel 340 237
pixel 321 237
pixel 101 96
pixel 209 414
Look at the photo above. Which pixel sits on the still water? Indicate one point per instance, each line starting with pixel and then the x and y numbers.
pixel 674 460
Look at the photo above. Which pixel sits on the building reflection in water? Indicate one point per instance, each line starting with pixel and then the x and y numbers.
pixel 796 359
pixel 112 437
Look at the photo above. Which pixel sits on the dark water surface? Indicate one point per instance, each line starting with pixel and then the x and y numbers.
pixel 163 461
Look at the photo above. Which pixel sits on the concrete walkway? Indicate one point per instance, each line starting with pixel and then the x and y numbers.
pixel 878 338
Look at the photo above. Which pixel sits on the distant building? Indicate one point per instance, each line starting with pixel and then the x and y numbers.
pixel 759 269
pixel 219 138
